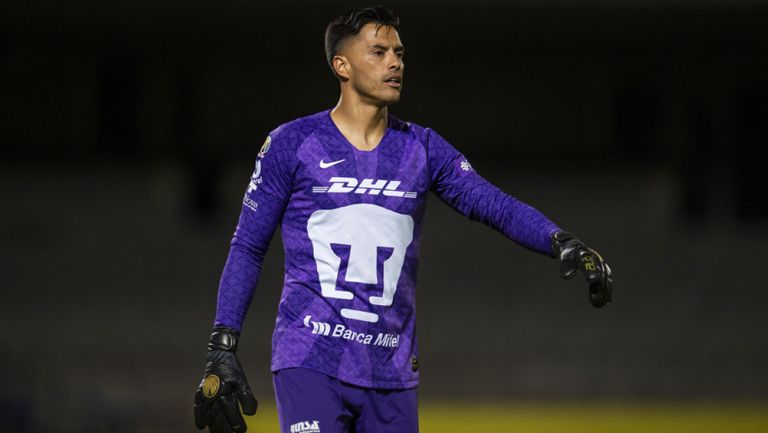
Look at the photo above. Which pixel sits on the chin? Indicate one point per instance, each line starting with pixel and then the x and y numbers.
pixel 389 99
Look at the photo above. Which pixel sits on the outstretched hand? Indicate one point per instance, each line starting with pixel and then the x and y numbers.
pixel 575 256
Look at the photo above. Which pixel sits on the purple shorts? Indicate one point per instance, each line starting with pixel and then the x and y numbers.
pixel 312 402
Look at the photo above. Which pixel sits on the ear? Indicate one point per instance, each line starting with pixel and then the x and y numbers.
pixel 341 66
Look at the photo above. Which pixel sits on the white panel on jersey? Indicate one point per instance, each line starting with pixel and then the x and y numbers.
pixel 365 316
pixel 364 228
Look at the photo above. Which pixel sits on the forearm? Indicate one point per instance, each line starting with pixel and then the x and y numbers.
pixel 263 206
pixel 526 225
pixel 238 284
pixel 520 222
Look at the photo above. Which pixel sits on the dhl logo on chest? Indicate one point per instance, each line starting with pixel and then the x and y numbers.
pixel 346 185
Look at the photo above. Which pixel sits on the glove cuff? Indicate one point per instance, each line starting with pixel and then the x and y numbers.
pixel 559 240
pixel 223 338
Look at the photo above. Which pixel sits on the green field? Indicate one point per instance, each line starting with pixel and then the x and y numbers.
pixel 561 418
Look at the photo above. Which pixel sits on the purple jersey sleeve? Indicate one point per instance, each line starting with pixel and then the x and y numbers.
pixel 264 202
pixel 457 184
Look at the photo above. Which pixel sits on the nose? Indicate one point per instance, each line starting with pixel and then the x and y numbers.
pixel 396 63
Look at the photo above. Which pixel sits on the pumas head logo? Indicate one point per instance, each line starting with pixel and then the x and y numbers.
pixel 211 385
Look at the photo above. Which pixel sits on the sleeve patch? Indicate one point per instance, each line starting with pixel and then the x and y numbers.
pixel 265 147
pixel 462 166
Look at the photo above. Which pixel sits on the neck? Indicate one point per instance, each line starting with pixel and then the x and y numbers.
pixel 363 124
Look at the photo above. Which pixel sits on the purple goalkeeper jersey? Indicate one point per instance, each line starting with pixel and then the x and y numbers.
pixel 351 227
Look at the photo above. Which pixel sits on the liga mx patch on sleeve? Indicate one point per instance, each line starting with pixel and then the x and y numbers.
pixel 256 179
pixel 253 185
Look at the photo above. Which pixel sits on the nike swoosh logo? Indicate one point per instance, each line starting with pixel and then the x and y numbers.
pixel 324 164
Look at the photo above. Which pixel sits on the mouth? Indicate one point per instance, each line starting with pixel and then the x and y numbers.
pixel 394 82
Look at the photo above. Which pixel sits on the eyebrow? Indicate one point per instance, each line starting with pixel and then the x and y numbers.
pixel 399 48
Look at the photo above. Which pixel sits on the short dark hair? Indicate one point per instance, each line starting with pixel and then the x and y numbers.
pixel 349 25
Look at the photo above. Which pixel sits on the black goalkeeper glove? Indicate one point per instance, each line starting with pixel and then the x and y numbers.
pixel 223 385
pixel 574 255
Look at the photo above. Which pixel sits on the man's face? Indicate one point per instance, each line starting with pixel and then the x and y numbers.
pixel 374 60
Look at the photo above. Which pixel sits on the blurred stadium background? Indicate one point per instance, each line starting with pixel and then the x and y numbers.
pixel 127 136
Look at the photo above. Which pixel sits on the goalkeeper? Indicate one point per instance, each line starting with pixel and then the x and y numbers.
pixel 348 188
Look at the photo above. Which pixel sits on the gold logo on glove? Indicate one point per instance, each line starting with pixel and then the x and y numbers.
pixel 589 263
pixel 211 385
